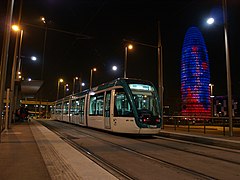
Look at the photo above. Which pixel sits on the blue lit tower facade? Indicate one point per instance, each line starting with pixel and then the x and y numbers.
pixel 195 75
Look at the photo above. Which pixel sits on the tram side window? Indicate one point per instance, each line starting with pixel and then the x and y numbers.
pixel 76 111
pixel 65 107
pixel 58 108
pixel 52 110
pixel 96 104
pixel 107 104
pixel 72 107
pixel 121 104
pixel 81 106
pixel 75 107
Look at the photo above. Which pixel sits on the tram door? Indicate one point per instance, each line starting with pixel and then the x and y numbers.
pixel 107 110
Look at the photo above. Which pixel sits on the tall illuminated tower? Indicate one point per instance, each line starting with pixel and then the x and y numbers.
pixel 195 75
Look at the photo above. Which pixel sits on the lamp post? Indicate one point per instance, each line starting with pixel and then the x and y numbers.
pixel 81 84
pixel 160 66
pixel 58 85
pixel 65 90
pixel 91 74
pixel 44 45
pixel 129 46
pixel 228 69
pixel 74 83
pixel 4 57
pixel 17 51
pixel 211 98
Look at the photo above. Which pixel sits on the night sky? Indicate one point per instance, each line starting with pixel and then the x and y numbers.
pixel 107 23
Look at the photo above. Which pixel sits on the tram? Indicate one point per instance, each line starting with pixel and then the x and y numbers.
pixel 123 105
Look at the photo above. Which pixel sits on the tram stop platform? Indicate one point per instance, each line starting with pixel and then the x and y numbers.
pixel 29 150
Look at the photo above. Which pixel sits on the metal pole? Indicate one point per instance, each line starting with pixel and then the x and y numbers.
pixel 211 98
pixel 4 57
pixel 14 66
pixel 43 55
pixel 90 82
pixel 80 82
pixel 47 111
pixel 58 89
pixel 74 84
pixel 229 88
pixel 13 77
pixel 6 114
pixel 160 71
pixel 19 54
pixel 125 62
pixel 64 90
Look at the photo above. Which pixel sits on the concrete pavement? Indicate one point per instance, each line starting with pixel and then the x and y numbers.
pixel 30 151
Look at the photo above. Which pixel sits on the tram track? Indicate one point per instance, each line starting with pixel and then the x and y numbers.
pixel 195 153
pixel 105 164
pixel 117 172
pixel 189 151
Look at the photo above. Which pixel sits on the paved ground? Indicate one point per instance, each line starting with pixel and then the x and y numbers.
pixel 31 151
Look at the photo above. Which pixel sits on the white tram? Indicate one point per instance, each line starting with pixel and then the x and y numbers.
pixel 122 106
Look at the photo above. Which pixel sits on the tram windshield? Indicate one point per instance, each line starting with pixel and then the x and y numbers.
pixel 145 99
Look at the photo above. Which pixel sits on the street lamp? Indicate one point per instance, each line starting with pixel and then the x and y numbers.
pixel 129 46
pixel 211 97
pixel 44 45
pixel 210 20
pixel 114 68
pixel 17 50
pixel 20 66
pixel 17 53
pixel 91 74
pixel 160 66
pixel 81 84
pixel 74 82
pixel 58 85
pixel 33 58
pixel 65 90
pixel 229 84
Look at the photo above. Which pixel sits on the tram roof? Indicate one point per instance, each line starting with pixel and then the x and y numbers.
pixel 119 82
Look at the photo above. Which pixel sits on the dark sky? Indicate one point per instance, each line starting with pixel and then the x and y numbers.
pixel 108 23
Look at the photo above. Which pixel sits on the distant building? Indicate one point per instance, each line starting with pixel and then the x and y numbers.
pixel 195 76
pixel 220 106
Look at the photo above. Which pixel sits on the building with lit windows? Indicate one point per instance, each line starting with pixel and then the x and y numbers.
pixel 195 75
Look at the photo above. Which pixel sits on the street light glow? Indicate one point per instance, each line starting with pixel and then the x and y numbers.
pixel 130 46
pixel 114 68
pixel 94 69
pixel 210 21
pixel 83 84
pixel 43 20
pixel 33 58
pixel 60 80
pixel 15 27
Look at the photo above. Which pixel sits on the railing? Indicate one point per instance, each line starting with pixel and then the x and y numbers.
pixel 201 124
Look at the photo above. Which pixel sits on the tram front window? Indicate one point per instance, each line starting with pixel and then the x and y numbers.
pixel 145 99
